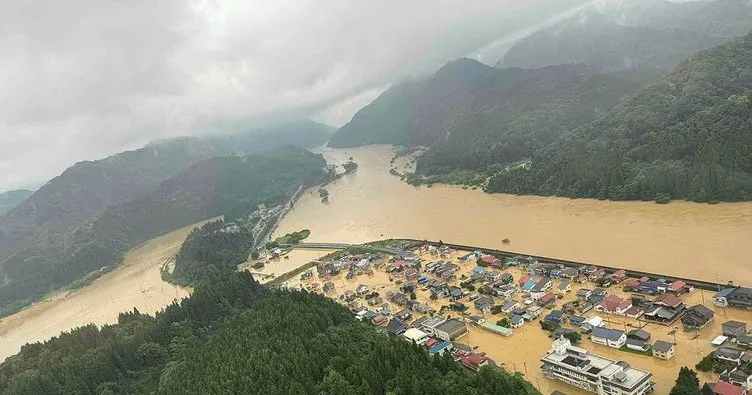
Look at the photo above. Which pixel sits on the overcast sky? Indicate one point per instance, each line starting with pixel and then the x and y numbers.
pixel 83 79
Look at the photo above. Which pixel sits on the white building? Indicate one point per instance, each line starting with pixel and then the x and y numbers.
pixel 415 335
pixel 582 369
pixel 608 337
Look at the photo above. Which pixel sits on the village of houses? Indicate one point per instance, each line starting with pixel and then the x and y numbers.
pixel 569 330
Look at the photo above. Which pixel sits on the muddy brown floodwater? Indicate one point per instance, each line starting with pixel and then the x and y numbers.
pixel 135 283
pixel 521 352
pixel 681 238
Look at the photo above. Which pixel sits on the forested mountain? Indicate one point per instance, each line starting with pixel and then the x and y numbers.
pixel 688 135
pixel 230 186
pixel 11 199
pixel 88 188
pixel 635 33
pixel 234 336
pixel 473 115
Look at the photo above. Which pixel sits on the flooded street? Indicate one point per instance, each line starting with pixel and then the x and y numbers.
pixel 521 352
pixel 681 238
pixel 135 283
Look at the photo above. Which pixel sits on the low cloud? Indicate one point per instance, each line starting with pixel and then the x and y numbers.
pixel 81 79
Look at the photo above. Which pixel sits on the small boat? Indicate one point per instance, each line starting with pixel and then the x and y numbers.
pixel 506 241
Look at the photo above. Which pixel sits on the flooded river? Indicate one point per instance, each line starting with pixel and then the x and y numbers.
pixel 681 238
pixel 135 283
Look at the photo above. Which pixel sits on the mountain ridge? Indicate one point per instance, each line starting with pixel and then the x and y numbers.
pixel 11 199
pixel 472 115
pixel 633 34
pixel 686 136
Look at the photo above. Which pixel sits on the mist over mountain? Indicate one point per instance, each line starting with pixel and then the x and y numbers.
pixel 638 33
pixel 34 232
pixel 11 199
pixel 472 115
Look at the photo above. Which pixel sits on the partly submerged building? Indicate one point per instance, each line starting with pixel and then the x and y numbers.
pixel 599 375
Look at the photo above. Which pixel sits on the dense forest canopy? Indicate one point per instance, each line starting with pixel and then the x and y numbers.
pixel 212 247
pixel 235 336
pixel 473 115
pixel 230 186
pixel 637 33
pixel 688 135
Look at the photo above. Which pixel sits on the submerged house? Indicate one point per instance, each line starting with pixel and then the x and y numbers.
pixel 608 337
pixel 450 329
pixel 734 328
pixel 697 317
pixel 484 304
pixel 666 308
pixel 663 350
pixel 509 305
pixel 528 285
pixel 637 339
pixel 734 297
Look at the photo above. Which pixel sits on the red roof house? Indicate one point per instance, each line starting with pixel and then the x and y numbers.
pixel 523 279
pixel 724 388
pixel 634 312
pixel 619 275
pixel 546 299
pixel 395 266
pixel 667 300
pixel 625 305
pixel 609 304
pixel 631 283
pixel 430 342
pixel 676 286
pixel 474 361
pixel 491 260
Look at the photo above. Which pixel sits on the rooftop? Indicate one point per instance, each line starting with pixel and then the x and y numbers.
pixel 433 322
pixel 724 388
pixel 578 359
pixel 451 326
pixel 662 346
pixel 414 334
pixel 439 346
pixel 606 333
pixel 734 324
pixel 639 334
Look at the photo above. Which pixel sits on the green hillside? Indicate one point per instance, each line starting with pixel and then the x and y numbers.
pixel 688 135
pixel 230 186
pixel 472 115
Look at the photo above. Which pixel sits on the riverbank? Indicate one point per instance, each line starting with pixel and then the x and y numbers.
pixel 701 241
pixel 134 283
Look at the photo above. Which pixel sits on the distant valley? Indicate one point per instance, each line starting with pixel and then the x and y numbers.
pixel 88 216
